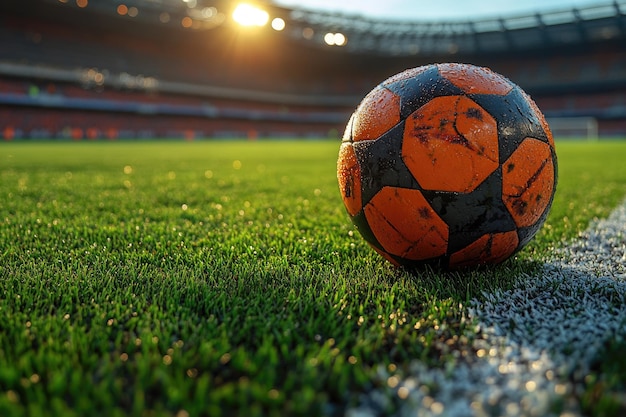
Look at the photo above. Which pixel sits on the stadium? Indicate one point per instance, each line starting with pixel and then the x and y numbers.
pixel 173 241
pixel 105 69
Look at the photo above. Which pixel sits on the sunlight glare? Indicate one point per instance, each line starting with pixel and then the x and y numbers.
pixel 248 15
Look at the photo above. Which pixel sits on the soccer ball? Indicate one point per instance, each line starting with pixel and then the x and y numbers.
pixel 449 164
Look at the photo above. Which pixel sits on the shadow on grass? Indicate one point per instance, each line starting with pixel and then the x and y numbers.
pixel 465 284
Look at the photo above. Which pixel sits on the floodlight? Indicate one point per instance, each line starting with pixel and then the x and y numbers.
pixel 340 39
pixel 278 24
pixel 335 39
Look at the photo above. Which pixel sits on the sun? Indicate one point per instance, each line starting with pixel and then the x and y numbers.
pixel 248 15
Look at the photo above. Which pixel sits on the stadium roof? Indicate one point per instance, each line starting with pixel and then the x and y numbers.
pixel 361 35
pixel 568 26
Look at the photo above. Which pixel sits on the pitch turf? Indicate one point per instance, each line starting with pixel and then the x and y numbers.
pixel 224 278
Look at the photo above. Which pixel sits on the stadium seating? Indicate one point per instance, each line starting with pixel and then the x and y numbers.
pixel 63 77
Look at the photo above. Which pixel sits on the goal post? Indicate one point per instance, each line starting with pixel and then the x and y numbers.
pixel 585 128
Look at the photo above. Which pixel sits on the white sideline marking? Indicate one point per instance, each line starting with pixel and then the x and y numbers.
pixel 537 340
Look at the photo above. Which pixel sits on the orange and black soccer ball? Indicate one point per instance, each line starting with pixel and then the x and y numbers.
pixel 449 164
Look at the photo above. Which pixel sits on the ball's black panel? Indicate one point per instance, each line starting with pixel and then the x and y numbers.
pixel 556 180
pixel 515 117
pixel 471 215
pixel 556 169
pixel 419 266
pixel 360 221
pixel 381 163
pixel 417 91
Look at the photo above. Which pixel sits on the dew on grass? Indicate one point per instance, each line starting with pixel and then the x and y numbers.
pixel 12 396
pixel 393 381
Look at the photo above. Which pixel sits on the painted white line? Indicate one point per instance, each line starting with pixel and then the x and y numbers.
pixel 535 342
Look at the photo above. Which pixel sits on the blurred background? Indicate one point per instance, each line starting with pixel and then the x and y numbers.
pixel 193 69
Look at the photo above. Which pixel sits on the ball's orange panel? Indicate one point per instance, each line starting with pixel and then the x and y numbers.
pixel 378 112
pixel 450 144
pixel 475 80
pixel 488 249
pixel 406 225
pixel 349 177
pixel 528 181
pixel 478 127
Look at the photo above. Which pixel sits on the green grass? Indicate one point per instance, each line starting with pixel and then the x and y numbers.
pixel 591 182
pixel 225 278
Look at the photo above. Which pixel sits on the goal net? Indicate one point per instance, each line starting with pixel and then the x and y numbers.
pixel 585 128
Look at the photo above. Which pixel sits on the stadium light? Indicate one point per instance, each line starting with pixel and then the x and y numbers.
pixel 247 15
pixel 307 33
pixel 340 39
pixel 164 17
pixel 278 24
pixel 335 39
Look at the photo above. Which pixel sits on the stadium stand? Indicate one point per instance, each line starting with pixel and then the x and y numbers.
pixel 104 69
